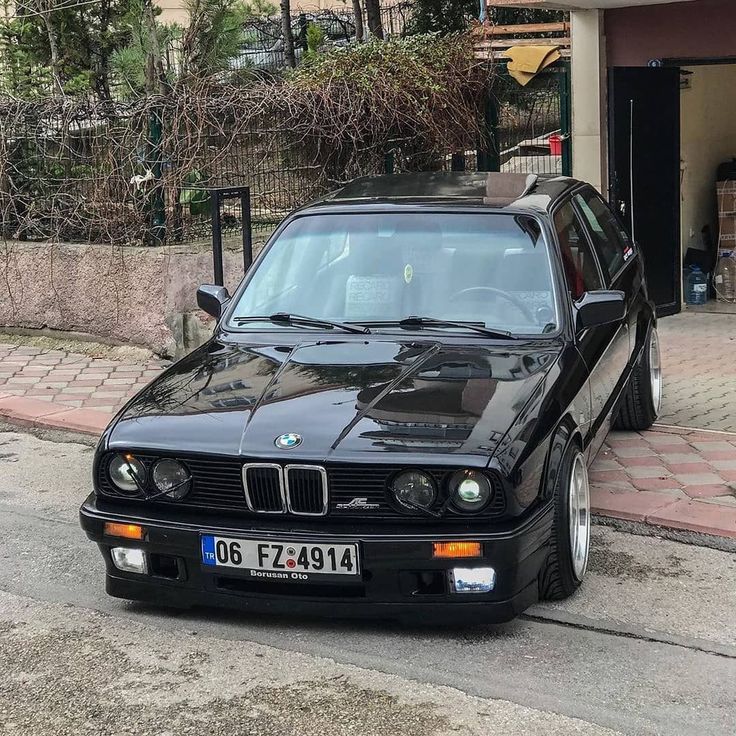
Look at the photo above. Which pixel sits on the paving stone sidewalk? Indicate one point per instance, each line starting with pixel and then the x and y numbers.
pixel 71 379
pixel 672 478
pixel 699 368
pixel 65 389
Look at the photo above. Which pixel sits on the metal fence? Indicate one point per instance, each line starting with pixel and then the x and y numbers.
pixel 530 127
pixel 127 172
pixel 263 43
pixel 129 175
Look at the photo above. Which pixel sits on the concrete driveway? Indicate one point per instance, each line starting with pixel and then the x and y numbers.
pixel 647 646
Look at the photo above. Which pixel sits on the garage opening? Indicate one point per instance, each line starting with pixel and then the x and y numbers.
pixel 708 185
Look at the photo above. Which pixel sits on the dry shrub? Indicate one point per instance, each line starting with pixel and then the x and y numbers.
pixel 79 169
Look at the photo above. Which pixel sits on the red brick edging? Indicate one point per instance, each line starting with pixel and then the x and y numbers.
pixel 668 477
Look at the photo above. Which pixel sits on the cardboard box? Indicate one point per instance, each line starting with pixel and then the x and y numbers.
pixel 726 191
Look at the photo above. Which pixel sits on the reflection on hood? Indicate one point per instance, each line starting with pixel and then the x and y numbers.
pixel 344 398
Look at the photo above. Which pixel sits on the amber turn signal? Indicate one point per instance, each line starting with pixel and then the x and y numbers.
pixel 129 531
pixel 456 549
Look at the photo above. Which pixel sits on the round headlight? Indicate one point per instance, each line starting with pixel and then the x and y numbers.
pixel 414 488
pixel 124 471
pixel 172 478
pixel 470 490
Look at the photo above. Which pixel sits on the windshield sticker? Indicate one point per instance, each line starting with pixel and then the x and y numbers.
pixel 408 273
pixel 628 252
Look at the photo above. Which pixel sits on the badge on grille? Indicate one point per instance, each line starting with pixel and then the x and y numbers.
pixel 288 441
pixel 359 504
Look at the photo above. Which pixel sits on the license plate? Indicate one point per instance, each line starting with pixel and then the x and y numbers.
pixel 280 560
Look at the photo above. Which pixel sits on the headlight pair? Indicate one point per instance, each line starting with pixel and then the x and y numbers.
pixel 170 477
pixel 470 491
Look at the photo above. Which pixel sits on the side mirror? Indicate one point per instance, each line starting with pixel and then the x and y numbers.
pixel 212 299
pixel 595 308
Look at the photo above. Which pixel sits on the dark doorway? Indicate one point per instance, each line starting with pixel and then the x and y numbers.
pixel 647 154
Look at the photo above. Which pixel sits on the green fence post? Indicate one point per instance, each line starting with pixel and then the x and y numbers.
pixel 157 232
pixel 457 162
pixel 489 158
pixel 563 78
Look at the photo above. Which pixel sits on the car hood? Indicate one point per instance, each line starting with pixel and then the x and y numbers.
pixel 345 398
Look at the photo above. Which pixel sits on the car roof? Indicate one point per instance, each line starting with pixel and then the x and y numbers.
pixel 494 190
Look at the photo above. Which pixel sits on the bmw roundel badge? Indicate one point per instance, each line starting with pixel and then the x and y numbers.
pixel 288 441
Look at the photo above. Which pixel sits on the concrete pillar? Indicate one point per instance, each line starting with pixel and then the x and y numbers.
pixel 589 117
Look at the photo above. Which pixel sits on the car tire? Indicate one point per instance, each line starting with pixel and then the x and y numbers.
pixel 643 396
pixel 567 560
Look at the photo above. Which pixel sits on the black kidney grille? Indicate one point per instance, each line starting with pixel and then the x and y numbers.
pixel 218 483
pixel 306 490
pixel 264 489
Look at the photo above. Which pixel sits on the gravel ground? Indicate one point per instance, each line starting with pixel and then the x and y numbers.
pixel 70 670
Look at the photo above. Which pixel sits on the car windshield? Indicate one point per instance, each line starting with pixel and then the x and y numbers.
pixel 492 270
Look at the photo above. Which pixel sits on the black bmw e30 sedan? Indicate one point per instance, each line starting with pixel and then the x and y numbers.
pixel 396 412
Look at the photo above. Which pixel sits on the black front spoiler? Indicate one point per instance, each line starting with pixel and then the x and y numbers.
pixel 393 561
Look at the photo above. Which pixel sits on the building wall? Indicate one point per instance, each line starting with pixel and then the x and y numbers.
pixel 708 138
pixel 172 11
pixel 588 98
pixel 701 29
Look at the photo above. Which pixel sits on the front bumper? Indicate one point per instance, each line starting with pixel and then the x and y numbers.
pixel 399 577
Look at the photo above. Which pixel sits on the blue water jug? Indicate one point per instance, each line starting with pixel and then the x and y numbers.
pixel 697 286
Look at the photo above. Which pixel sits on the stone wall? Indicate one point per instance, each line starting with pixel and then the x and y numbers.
pixel 129 295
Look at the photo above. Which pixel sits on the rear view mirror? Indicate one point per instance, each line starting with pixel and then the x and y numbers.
pixel 213 299
pixel 595 308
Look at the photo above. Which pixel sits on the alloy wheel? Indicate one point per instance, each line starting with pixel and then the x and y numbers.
pixel 579 514
pixel 655 371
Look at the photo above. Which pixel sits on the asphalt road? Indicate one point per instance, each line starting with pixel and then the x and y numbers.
pixel 648 646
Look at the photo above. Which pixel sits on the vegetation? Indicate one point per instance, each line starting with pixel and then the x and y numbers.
pixel 67 45
pixel 315 39
pixel 451 16
pixel 107 136
pixel 79 169
pixel 418 97
pixel 54 46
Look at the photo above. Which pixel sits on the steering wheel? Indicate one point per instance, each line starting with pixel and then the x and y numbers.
pixel 513 300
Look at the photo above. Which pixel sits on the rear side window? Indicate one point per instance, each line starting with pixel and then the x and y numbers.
pixel 610 240
pixel 581 270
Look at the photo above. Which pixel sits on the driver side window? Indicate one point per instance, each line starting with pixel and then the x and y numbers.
pixel 581 269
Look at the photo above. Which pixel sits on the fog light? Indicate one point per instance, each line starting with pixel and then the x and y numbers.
pixel 129 559
pixel 473 579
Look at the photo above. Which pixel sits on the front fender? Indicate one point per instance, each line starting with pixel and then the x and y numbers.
pixel 564 435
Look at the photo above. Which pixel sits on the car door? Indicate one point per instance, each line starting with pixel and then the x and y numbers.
pixel 599 347
pixel 582 274
pixel 614 253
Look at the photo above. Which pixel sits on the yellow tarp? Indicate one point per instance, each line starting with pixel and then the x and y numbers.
pixel 525 62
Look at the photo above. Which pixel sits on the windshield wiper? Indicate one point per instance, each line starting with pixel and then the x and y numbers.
pixel 287 318
pixel 415 321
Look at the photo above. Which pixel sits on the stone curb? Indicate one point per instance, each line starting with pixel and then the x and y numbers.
pixel 50 415
pixel 655 510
